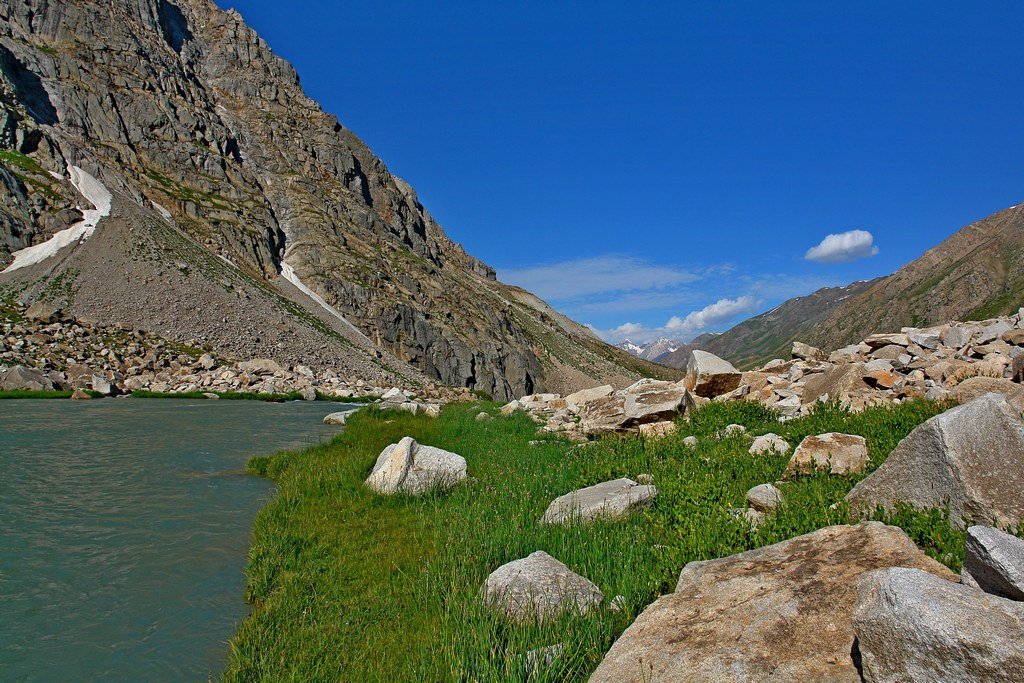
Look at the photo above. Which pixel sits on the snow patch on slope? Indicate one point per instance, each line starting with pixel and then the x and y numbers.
pixel 100 198
pixel 288 273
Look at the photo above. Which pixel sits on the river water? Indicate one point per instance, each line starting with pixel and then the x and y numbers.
pixel 124 529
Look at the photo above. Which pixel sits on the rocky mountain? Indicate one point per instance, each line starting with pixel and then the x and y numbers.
pixel 164 169
pixel 650 350
pixel 677 357
pixel 976 273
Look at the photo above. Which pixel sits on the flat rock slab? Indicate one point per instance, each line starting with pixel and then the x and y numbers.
pixel 970 457
pixel 994 562
pixel 408 467
pixel 21 378
pixel 608 500
pixel 539 587
pixel 646 401
pixel 833 452
pixel 913 626
pixel 780 613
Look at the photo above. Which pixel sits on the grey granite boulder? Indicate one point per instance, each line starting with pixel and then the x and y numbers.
pixel 539 587
pixel 409 467
pixel 21 378
pixel 769 443
pixel 765 498
pixel 970 458
pixel 976 387
pixel 607 500
pixel 708 375
pixel 914 626
pixel 994 562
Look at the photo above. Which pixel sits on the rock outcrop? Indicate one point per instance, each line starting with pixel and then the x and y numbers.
pixel 970 458
pixel 539 587
pixel 914 626
pixel 779 613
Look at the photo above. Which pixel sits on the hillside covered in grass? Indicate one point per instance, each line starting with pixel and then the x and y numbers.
pixel 348 585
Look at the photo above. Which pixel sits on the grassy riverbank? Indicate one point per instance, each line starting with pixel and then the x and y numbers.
pixel 23 393
pixel 347 585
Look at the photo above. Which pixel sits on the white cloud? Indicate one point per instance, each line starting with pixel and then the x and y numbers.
pixel 714 314
pixel 685 328
pixel 585 277
pixel 842 247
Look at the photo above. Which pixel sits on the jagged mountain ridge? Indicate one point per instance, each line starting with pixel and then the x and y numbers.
pixel 185 114
pixel 976 273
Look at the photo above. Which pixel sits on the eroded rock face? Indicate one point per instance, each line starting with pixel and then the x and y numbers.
pixel 971 457
pixel 708 376
pixel 914 626
pixel 608 500
pixel 408 467
pixel 539 587
pixel 833 452
pixel 780 613
pixel 994 562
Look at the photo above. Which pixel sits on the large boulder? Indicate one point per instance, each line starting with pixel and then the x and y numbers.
pixel 801 351
pixel 21 378
pixel 607 500
pixel 779 613
pixel 833 452
pixel 644 402
pixel 994 562
pixel 970 458
pixel 409 467
pixel 539 587
pixel 914 626
pixel 976 387
pixel 708 375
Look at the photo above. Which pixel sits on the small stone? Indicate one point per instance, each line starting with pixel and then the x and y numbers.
pixel 482 416
pixel 769 443
pixel 765 498
pixel 690 442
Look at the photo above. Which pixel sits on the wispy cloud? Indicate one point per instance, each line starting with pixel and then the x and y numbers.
pixel 843 247
pixel 579 278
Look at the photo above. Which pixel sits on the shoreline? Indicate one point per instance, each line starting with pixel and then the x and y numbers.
pixel 337 575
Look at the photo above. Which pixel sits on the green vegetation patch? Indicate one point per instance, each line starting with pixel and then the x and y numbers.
pixel 349 585
pixel 24 393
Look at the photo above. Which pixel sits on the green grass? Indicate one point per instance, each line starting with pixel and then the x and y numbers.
pixel 348 585
pixel 23 393
pixel 250 396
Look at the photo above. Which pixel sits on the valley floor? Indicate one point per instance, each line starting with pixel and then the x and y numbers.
pixel 348 585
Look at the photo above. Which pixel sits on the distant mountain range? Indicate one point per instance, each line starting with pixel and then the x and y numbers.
pixel 651 350
pixel 977 273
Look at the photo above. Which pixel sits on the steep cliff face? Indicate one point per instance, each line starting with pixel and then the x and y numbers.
pixel 181 110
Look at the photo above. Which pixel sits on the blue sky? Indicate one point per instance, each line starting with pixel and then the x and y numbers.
pixel 656 168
